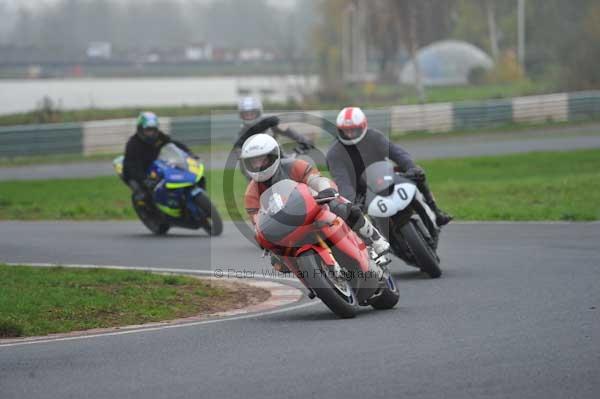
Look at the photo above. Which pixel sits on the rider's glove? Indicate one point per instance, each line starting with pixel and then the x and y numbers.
pixel 416 173
pixel 270 121
pixel 305 146
pixel 262 126
pixel 327 193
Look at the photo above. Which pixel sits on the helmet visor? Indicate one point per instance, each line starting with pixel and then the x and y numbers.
pixel 249 115
pixel 150 133
pixel 261 162
pixel 350 133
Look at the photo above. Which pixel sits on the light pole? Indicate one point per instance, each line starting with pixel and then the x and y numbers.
pixel 521 33
pixel 354 45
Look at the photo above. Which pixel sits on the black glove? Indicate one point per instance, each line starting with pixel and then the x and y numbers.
pixel 305 146
pixel 262 126
pixel 416 173
pixel 270 122
pixel 327 193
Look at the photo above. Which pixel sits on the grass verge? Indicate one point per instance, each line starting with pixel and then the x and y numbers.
pixel 101 198
pixel 534 186
pixel 40 301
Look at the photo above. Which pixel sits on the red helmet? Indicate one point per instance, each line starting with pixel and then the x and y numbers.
pixel 352 125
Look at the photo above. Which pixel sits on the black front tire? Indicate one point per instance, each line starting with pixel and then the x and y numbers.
pixel 424 256
pixel 213 224
pixel 315 274
pixel 151 221
pixel 389 295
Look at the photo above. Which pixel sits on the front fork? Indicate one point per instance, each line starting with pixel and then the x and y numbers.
pixel 324 252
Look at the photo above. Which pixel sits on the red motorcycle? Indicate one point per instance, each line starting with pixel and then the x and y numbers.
pixel 321 250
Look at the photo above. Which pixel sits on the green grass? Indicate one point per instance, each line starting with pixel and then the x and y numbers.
pixel 480 92
pixel 39 301
pixel 535 186
pixel 379 95
pixel 52 159
pixel 102 198
pixel 92 114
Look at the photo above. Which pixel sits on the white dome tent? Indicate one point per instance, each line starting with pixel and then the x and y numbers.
pixel 447 62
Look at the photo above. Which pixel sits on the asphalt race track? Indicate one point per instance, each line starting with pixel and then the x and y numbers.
pixel 516 314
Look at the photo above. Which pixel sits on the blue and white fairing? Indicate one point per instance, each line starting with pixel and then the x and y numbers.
pixel 176 168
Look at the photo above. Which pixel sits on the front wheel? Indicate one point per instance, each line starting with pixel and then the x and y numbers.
pixel 213 224
pixel 423 254
pixel 388 295
pixel 150 219
pixel 335 293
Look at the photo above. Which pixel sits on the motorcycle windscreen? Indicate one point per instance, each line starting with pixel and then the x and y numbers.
pixel 174 156
pixel 283 208
pixel 380 177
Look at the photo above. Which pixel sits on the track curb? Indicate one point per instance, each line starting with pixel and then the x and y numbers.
pixel 281 295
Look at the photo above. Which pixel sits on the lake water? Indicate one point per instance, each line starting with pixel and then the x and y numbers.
pixel 24 95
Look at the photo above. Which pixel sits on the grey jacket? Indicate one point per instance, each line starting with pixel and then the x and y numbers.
pixel 348 162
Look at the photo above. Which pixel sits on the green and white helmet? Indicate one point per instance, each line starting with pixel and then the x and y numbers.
pixel 147 127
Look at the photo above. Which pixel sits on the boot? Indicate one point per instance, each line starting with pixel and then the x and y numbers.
pixel 378 246
pixel 441 218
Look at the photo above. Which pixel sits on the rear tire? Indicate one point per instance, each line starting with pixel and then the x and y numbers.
pixel 152 222
pixel 425 258
pixel 316 275
pixel 213 224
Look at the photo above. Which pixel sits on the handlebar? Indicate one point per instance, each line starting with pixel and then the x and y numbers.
pixel 324 200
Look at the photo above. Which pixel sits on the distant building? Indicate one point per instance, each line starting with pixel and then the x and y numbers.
pixel 199 52
pixel 99 50
pixel 251 54
pixel 220 54
pixel 447 62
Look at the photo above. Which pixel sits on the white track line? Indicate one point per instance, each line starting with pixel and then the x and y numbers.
pixel 531 222
pixel 153 328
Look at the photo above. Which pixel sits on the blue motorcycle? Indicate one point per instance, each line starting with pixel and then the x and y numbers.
pixel 179 194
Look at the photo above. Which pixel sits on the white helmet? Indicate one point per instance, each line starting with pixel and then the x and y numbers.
pixel 250 109
pixel 260 157
pixel 352 125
